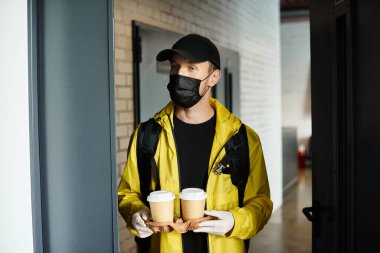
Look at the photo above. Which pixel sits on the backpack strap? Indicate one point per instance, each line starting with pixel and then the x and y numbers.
pixel 236 161
pixel 147 140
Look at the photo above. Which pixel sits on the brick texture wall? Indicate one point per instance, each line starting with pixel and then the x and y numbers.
pixel 250 27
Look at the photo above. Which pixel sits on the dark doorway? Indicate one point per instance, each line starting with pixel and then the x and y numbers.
pixel 345 93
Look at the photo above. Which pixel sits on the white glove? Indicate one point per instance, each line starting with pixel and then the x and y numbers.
pixel 139 224
pixel 223 225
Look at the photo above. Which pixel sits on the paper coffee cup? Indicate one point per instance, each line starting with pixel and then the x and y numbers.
pixel 192 203
pixel 162 206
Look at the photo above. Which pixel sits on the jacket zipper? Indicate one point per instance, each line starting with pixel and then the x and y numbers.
pixel 179 169
pixel 176 148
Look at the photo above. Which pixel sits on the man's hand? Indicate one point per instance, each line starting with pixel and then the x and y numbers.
pixel 139 224
pixel 223 225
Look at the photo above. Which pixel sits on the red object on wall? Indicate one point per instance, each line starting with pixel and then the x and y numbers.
pixel 301 159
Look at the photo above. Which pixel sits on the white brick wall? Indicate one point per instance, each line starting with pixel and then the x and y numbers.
pixel 296 90
pixel 250 27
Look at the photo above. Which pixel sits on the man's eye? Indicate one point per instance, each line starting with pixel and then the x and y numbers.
pixel 192 68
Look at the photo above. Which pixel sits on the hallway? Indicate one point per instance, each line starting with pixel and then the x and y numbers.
pixel 288 231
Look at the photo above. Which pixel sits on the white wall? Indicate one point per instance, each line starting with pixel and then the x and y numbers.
pixel 15 188
pixel 258 42
pixel 296 93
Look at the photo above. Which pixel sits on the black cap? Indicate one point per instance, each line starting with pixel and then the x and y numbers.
pixel 194 47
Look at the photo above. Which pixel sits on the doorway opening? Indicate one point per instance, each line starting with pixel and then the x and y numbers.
pixel 138 40
pixel 288 229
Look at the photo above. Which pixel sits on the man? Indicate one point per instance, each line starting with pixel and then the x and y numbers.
pixel 195 128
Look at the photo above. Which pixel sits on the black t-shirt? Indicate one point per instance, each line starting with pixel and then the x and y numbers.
pixel 194 142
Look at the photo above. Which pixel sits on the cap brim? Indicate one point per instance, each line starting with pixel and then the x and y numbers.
pixel 168 53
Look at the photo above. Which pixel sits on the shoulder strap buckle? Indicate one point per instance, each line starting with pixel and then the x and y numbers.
pixel 219 168
pixel 222 169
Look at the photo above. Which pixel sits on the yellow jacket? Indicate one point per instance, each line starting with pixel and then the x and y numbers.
pixel 221 193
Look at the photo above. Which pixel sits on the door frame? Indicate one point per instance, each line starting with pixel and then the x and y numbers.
pixel 333 123
pixel 34 24
pixel 35 173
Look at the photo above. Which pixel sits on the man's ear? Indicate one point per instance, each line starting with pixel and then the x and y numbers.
pixel 215 77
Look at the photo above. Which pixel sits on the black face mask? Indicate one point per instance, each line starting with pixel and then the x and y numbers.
pixel 184 90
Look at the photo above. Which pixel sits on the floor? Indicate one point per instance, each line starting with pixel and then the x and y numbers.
pixel 288 230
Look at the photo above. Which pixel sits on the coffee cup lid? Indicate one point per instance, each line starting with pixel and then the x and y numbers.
pixel 161 196
pixel 192 194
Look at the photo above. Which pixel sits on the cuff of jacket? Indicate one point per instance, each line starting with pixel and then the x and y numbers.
pixel 127 213
pixel 240 227
pixel 134 209
pixel 133 231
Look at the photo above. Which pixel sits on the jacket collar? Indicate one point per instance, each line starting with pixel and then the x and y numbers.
pixel 226 122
